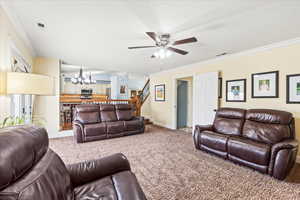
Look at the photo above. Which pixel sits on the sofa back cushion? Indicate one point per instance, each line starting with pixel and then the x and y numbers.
pixel 47 180
pixel 124 112
pixel 87 114
pixel 108 113
pixel 21 147
pixel 268 126
pixel 28 169
pixel 229 121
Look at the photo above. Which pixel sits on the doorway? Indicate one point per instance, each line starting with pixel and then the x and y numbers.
pixel 184 103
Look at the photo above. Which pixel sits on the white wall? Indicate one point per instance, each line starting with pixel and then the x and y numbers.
pixel 116 82
pixel 47 107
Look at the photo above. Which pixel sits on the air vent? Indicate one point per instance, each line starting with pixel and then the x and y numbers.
pixel 222 54
pixel 41 25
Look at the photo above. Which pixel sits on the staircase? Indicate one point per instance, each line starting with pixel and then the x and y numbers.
pixel 140 100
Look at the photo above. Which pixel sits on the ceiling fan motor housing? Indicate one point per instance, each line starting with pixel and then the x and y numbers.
pixel 164 40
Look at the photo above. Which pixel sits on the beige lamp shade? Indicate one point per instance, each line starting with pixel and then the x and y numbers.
pixel 28 83
pixel 2 83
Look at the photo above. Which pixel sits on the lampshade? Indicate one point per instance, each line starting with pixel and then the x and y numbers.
pixel 26 83
pixel 2 83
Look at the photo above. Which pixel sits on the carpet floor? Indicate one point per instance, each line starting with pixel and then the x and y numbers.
pixel 168 167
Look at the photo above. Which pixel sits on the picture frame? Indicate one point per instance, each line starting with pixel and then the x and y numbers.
pixel 160 93
pixel 265 85
pixel 293 89
pixel 220 87
pixel 122 89
pixel 236 90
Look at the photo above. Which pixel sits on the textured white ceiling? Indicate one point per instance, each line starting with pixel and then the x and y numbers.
pixel 96 33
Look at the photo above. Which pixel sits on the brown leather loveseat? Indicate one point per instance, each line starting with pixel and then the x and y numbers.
pixel 95 122
pixel 29 170
pixel 262 139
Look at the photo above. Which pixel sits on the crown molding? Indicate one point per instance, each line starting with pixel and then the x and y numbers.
pixel 18 26
pixel 238 54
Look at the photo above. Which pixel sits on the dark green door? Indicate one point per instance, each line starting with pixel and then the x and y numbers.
pixel 182 103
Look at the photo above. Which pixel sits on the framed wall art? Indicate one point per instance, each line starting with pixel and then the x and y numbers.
pixel 265 85
pixel 293 88
pixel 160 92
pixel 236 90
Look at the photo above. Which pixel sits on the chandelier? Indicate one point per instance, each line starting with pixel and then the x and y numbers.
pixel 80 79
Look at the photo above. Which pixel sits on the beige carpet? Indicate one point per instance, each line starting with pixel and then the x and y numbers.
pixel 168 167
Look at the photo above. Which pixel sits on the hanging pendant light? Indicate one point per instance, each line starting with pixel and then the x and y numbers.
pixel 80 79
pixel 89 80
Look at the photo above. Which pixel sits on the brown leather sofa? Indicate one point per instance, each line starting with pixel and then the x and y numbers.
pixel 261 139
pixel 29 170
pixel 96 122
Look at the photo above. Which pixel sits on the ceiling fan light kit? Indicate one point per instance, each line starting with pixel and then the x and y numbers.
pixel 163 42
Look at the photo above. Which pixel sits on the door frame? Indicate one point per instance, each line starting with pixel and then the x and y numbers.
pixel 174 96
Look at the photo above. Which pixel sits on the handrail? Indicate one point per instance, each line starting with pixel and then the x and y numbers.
pixel 148 81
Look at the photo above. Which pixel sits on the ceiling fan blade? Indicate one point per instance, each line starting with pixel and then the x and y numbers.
pixel 152 35
pixel 139 47
pixel 178 51
pixel 184 41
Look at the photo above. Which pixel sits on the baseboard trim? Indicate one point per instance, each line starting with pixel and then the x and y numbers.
pixel 162 125
pixel 61 134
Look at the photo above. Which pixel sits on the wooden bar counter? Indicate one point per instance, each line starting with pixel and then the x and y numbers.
pixel 75 98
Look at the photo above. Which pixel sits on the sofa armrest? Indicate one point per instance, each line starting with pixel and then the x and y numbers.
pixel 197 132
pixel 201 128
pixel 78 129
pixel 88 171
pixel 283 158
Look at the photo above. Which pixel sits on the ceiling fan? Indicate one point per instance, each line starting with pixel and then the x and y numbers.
pixel 163 42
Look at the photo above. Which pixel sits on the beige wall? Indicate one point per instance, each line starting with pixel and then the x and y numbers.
pixel 8 36
pixel 47 107
pixel 285 59
pixel 146 108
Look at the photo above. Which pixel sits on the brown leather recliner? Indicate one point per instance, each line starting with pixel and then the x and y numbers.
pixel 29 170
pixel 95 122
pixel 262 139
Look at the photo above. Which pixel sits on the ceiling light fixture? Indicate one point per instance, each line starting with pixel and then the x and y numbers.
pixel 162 53
pixel 80 79
pixel 41 25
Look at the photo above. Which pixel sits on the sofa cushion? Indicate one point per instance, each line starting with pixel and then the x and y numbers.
pixel 248 150
pixel 115 127
pixel 229 121
pixel 268 126
pixel 87 114
pixel 95 129
pixel 269 116
pixel 133 125
pixel 231 113
pixel 124 112
pixel 214 140
pixel 108 113
pixel 99 189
